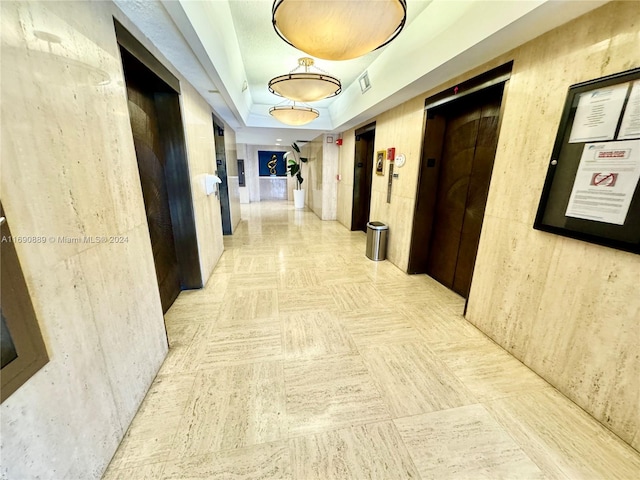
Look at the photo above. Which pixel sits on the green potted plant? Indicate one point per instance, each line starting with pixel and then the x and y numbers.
pixel 294 161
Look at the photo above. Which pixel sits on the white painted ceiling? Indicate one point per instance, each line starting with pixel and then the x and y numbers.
pixel 229 51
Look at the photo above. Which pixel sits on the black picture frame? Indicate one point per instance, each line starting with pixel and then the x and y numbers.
pixel 563 168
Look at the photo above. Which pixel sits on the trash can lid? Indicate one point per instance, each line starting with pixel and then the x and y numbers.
pixel 377 226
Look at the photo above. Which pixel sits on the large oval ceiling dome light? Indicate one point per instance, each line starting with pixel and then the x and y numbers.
pixel 338 29
pixel 305 86
pixel 294 114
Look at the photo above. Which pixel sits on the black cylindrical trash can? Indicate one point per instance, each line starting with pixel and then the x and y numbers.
pixel 377 240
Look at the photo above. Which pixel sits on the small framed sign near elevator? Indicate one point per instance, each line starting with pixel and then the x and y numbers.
pixel 592 191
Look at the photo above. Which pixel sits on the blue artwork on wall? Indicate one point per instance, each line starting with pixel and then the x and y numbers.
pixel 271 164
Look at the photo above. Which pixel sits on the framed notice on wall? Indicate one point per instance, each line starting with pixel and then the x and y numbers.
pixel 380 162
pixel 592 191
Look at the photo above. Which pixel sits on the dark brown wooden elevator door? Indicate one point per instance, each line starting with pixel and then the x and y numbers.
pixel 362 177
pixel 151 165
pixel 470 142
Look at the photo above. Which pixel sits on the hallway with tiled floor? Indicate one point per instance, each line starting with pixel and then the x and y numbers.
pixel 302 359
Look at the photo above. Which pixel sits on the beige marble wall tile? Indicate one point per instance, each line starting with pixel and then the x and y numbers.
pixel 373 451
pixel 313 174
pixel 562 439
pixel 591 354
pixel 268 460
pixel 330 170
pixel 198 127
pixel 564 307
pixel 54 119
pixel 414 380
pixel 232 407
pixel 125 334
pixel 464 443
pixel 69 170
pixel 71 338
pixel 314 334
pixel 331 392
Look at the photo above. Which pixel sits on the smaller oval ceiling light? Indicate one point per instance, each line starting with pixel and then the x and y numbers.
pixel 305 86
pixel 294 115
pixel 338 29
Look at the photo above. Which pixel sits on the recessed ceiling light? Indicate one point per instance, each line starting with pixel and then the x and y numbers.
pixel 278 139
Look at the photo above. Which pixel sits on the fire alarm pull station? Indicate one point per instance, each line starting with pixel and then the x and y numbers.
pixel 391 154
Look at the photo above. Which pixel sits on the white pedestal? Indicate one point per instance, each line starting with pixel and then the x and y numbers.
pixel 298 198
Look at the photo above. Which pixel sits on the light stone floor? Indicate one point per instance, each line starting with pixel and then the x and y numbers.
pixel 302 359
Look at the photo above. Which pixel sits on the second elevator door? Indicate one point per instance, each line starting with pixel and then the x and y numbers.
pixel 469 147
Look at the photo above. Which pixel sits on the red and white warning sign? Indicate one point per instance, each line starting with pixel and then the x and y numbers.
pixel 605 182
pixel 604 179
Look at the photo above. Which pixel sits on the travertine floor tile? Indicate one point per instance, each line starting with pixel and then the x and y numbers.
pixel 314 334
pixel 259 462
pixel 381 326
pixel 241 305
pixel 143 472
pixel 303 359
pixel 563 439
pixel 152 431
pixel 241 343
pixel 255 281
pixel 233 407
pixel 331 393
pixel 295 278
pixel 464 443
pixel 305 299
pixel 354 296
pixel 184 347
pixel 373 451
pixel 438 325
pixel 474 363
pixel 188 312
pixel 414 380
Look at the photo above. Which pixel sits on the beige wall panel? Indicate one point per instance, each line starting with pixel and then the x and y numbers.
pixel 563 307
pixel 198 125
pixel 69 170
pixel 231 155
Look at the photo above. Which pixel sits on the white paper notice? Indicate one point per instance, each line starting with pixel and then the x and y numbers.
pixel 606 179
pixel 630 127
pixel 598 114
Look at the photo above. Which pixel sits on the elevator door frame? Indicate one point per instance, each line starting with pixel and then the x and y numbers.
pixel 433 130
pixel 166 89
pixel 362 177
